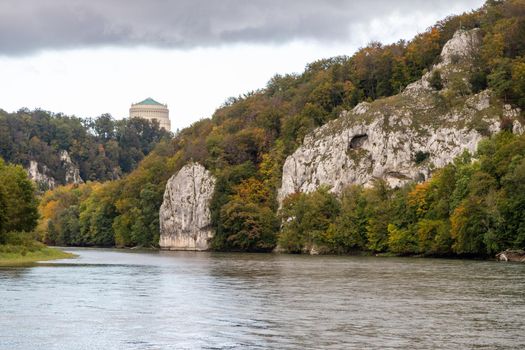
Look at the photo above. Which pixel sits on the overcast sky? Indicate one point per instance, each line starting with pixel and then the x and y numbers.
pixel 98 56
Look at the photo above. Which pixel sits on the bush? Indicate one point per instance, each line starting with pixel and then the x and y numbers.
pixel 478 81
pixel 19 242
pixel 401 241
pixel 435 80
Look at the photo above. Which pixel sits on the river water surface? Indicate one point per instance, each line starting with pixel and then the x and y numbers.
pixel 111 299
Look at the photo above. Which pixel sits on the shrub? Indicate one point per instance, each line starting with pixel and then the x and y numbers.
pixel 435 80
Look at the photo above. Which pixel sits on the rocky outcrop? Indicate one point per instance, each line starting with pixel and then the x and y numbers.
pixel 41 174
pixel 401 138
pixel 72 172
pixel 185 214
pixel 38 173
pixel 455 60
pixel 511 255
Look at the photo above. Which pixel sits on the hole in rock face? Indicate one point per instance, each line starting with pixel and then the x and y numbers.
pixel 358 141
pixel 397 175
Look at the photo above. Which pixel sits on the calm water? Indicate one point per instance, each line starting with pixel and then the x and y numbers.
pixel 109 299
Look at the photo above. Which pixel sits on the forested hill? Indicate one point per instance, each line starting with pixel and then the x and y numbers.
pixel 245 143
pixel 100 149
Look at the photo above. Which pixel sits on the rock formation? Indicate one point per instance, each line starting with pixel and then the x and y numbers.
pixel 71 169
pixel 40 173
pixel 185 214
pixel 404 137
pixel 511 255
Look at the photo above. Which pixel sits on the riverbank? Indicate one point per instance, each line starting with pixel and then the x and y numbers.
pixel 22 257
pixel 20 248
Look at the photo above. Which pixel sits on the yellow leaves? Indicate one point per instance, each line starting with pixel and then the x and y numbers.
pixel 418 199
pixel 49 209
pixel 251 191
pixel 271 165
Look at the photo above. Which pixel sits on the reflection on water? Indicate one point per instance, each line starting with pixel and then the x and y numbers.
pixel 111 299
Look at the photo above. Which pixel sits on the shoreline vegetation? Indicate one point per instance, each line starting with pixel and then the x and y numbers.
pixel 20 248
pixel 21 258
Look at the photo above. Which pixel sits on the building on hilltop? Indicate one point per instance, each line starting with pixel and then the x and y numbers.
pixel 150 109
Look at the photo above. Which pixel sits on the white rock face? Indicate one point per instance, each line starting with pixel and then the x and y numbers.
pixel 72 171
pixel 185 214
pixel 455 57
pixel 366 151
pixel 400 139
pixel 40 177
pixel 462 46
pixel 46 181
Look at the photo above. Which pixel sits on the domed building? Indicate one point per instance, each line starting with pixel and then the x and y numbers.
pixel 150 109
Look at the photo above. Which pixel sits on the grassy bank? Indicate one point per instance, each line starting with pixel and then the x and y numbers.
pixel 46 253
pixel 21 249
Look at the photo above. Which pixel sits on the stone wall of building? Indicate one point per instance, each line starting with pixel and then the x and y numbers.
pixel 150 109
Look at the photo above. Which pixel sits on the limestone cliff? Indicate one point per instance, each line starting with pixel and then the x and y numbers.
pixel 185 214
pixel 41 174
pixel 404 137
pixel 72 172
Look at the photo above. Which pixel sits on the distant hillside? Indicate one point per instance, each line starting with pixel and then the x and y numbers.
pixel 57 149
pixel 245 143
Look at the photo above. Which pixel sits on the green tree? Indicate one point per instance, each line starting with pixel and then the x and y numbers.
pixel 20 211
pixel 401 241
pixel 378 213
pixel 306 220
pixel 349 230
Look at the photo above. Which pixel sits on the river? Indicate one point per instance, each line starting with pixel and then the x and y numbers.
pixel 115 299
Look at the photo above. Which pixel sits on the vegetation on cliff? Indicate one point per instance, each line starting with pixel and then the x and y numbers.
pixel 247 140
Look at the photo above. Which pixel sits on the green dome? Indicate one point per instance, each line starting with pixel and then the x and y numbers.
pixel 150 101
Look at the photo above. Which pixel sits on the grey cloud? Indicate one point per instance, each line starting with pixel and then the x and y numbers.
pixel 27 26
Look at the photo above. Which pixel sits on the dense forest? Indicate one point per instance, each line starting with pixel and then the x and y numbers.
pixel 466 208
pixel 103 148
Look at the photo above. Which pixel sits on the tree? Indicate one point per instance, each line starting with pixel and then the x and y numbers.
pixel 433 237
pixel 401 241
pixel 306 220
pixel 20 211
pixel 500 79
pixel 3 210
pixel 248 223
pixel 348 232
pixel 518 81
pixel 468 224
pixel 378 214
